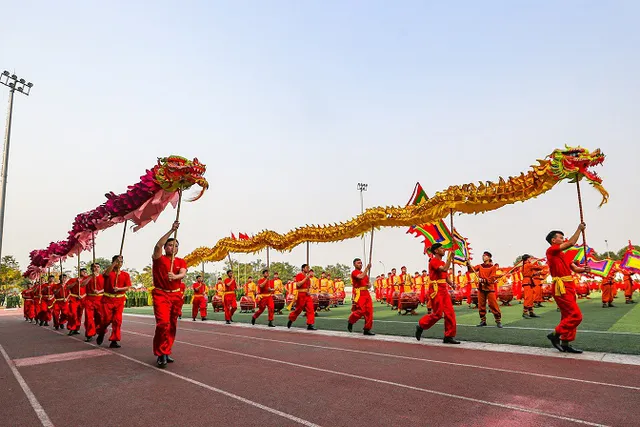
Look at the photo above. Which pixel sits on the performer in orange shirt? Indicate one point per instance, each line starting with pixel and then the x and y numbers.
pixel 116 284
pixel 441 300
pixel 199 301
pixel 561 267
pixel 628 289
pixel 278 287
pixel 230 303
pixel 487 289
pixel 167 302
pixel 362 298
pixel 265 298
pixel 304 301
pixel 61 305
pixel 77 295
pixel 93 302
pixel 606 286
pixel 250 290
pixel 29 306
pixel 529 271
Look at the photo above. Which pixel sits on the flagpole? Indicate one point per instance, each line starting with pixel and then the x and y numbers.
pixel 175 234
pixel 584 238
pixel 371 248
pixel 453 264
pixel 267 257
pixel 124 233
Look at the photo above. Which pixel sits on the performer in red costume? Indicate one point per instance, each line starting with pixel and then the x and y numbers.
pixel 93 302
pixel 116 284
pixel 77 294
pixel 304 301
pixel 199 301
pixel 362 298
pixel 265 298
pixel 440 298
pixel 229 301
pixel 564 292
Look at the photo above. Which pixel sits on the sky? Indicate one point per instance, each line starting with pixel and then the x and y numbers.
pixel 291 104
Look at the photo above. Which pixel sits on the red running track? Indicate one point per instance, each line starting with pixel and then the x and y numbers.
pixel 232 375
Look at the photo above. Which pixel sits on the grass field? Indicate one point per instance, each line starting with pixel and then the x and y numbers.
pixel 615 330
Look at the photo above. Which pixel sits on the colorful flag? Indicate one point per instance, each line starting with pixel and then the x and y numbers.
pixel 631 260
pixel 601 268
pixel 577 252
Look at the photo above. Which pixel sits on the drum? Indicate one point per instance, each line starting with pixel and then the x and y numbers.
pixel 505 294
pixel 394 298
pixel 316 301
pixel 408 301
pixel 452 295
pixel 324 300
pixel 334 300
pixel 582 290
pixel 474 296
pixel 594 286
pixel 216 302
pixel 340 296
pixel 547 291
pixel 458 296
pixel 247 304
pixel 278 303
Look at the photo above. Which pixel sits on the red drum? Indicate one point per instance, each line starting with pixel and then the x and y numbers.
pixel 278 303
pixel 216 302
pixel 247 304
pixel 408 302
pixel 458 296
pixel 340 296
pixel 594 286
pixel 474 296
pixel 394 298
pixel 316 301
pixel 582 290
pixel 505 294
pixel 324 300
pixel 334 300
pixel 547 291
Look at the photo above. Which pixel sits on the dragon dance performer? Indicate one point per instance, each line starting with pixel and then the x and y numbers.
pixel 77 294
pixel 391 281
pixel 60 307
pixel 405 284
pixel 199 301
pixel 46 301
pixel 529 272
pixel 440 298
pixel 487 273
pixel 116 284
pixel 278 286
pixel 29 306
pixel 93 302
pixel 564 293
pixel 265 298
pixel 628 287
pixel 362 298
pixel 606 286
pixel 167 299
pixel 229 302
pixel 291 290
pixel 304 300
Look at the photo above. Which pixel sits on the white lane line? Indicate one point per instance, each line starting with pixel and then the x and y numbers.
pixel 417 359
pixel 39 410
pixel 59 357
pixel 622 359
pixel 206 386
pixel 391 383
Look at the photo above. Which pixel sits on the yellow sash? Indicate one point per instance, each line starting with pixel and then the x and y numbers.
pixel 358 290
pixel 435 287
pixel 115 295
pixel 559 284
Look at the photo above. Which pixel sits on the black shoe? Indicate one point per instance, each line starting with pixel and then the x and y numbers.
pixel 70 333
pixel 311 328
pixel 271 325
pixel 450 340
pixel 499 325
pixel 194 319
pixel 533 315
pixel 228 322
pixel 289 323
pixel 46 323
pixel 253 320
pixel 114 344
pixel 169 359
pixel 611 305
pixel 604 305
pixel 162 362
pixel 481 324
pixel 418 332
pixel 55 327
pixel 349 327
pixel 568 349
pixel 368 333
pixel 179 317
pixel 525 316
pixel 100 339
pixel 76 332
pixel 555 341
pixel 203 319
pixel 88 339
pixel 41 323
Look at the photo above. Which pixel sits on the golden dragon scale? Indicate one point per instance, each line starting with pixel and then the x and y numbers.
pixel 570 163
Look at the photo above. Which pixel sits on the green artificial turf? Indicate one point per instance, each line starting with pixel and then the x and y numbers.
pixel 615 330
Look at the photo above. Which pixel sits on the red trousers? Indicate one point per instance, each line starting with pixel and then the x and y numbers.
pixel 528 299
pixel 390 295
pixel 489 297
pixel 628 290
pixel 607 295
pixel 199 303
pixel 92 314
pixel 467 293
pixel 442 307
pixel 60 313
pixel 166 307
pixel 44 310
pixel 423 294
pixel 265 302
pixel 76 307
pixel 230 305
pixel 112 309
pixel 304 302
pixel 363 308
pixel 570 315
pixel 29 309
